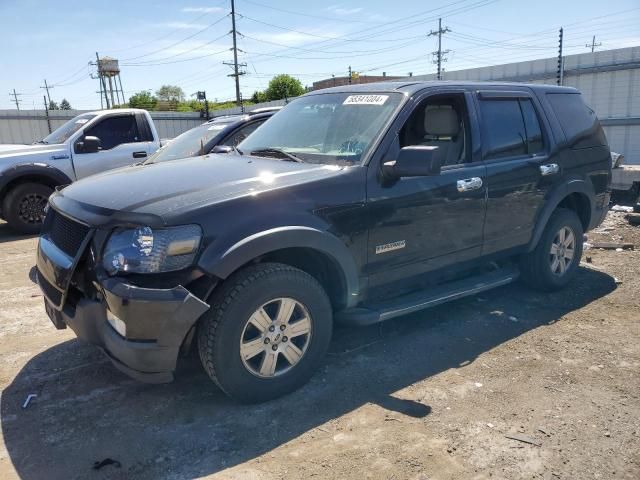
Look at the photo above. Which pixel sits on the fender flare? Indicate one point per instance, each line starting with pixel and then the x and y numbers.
pixel 222 262
pixel 52 174
pixel 559 194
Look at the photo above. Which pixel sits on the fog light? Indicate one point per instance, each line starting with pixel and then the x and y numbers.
pixel 117 324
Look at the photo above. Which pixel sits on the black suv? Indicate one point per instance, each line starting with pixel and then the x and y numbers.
pixel 353 204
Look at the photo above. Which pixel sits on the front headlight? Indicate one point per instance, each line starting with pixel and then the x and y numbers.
pixel 143 250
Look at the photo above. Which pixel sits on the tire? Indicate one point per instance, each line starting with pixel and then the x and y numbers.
pixel 537 267
pixel 23 207
pixel 233 318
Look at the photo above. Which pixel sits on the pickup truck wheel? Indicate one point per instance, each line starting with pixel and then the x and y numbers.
pixel 555 260
pixel 23 206
pixel 268 329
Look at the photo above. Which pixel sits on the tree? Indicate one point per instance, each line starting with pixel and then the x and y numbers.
pixel 258 97
pixel 170 93
pixel 53 105
pixel 143 99
pixel 65 105
pixel 283 86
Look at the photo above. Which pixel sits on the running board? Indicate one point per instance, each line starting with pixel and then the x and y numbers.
pixel 413 302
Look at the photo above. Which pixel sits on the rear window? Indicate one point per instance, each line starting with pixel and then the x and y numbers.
pixel 504 128
pixel 579 122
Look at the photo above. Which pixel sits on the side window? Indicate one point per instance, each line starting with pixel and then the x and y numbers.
pixel 242 133
pixel 532 126
pixel 578 121
pixel 504 129
pixel 143 128
pixel 113 131
pixel 440 121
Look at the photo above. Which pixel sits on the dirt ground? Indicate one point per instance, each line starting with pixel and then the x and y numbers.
pixel 433 395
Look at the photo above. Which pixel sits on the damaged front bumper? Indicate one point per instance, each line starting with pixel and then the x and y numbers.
pixel 153 324
pixel 140 329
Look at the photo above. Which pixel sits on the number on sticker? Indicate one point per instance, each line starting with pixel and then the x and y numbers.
pixel 365 100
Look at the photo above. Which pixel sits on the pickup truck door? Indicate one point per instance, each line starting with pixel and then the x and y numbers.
pixel 520 171
pixel 420 224
pixel 121 143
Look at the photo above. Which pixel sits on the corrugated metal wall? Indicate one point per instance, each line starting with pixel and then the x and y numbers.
pixel 609 81
pixel 28 126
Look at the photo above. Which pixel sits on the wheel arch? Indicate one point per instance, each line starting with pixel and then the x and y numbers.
pixel 576 195
pixel 36 173
pixel 318 253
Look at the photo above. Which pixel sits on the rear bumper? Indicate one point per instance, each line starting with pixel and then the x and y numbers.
pixel 156 321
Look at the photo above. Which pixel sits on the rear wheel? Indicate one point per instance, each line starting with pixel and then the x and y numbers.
pixel 268 329
pixel 554 261
pixel 24 205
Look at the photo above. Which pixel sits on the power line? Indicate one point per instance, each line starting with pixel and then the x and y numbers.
pixel 178 42
pixel 308 14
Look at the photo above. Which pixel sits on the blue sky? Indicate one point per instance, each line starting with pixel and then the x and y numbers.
pixel 184 43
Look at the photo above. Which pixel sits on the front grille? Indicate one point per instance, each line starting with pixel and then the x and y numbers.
pixel 66 234
pixel 51 292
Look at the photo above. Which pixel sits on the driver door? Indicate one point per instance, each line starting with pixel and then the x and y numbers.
pixel 121 144
pixel 420 224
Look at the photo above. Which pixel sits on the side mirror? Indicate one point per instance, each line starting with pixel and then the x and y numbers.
pixel 88 145
pixel 413 161
pixel 222 149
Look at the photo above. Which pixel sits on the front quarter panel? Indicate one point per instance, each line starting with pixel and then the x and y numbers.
pixel 325 215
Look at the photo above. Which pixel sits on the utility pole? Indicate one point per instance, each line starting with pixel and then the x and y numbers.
pixel 350 75
pixel 15 98
pixel 560 75
pixel 46 112
pixel 47 87
pixel 236 66
pixel 440 54
pixel 593 44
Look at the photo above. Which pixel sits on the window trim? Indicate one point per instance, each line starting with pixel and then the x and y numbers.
pixel 484 95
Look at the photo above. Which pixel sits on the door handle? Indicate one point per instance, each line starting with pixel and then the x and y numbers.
pixel 469 184
pixel 549 169
pixel 139 154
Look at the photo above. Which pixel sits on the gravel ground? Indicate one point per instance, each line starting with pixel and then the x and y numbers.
pixel 434 395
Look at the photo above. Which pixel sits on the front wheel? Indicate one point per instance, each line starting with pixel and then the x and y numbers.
pixel 24 205
pixel 554 261
pixel 267 331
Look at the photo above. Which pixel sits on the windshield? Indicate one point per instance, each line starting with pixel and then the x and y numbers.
pixel 332 128
pixel 191 143
pixel 61 134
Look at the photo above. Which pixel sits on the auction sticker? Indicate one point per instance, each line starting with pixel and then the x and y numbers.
pixel 365 100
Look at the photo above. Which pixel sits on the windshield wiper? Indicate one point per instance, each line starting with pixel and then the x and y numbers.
pixel 270 152
pixel 40 141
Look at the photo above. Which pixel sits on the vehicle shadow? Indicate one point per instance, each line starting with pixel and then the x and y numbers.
pixel 86 411
pixel 7 234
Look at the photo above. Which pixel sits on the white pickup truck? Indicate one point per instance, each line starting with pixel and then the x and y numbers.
pixel 87 144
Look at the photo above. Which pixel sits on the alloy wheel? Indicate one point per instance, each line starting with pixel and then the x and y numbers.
pixel 275 337
pixel 562 251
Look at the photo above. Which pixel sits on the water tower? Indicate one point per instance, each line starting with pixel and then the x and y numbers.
pixel 109 77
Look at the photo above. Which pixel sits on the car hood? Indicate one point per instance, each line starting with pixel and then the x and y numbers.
pixel 10 154
pixel 166 188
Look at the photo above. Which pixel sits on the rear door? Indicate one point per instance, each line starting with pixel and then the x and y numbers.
pixel 515 150
pixel 121 144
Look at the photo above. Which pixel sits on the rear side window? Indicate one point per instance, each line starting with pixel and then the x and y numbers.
pixel 512 128
pixel 114 131
pixel 579 122
pixel 504 129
